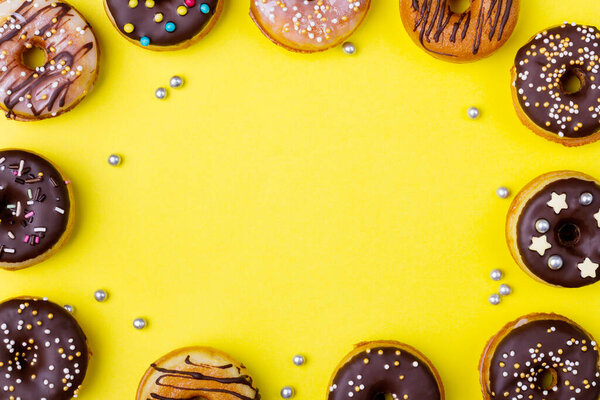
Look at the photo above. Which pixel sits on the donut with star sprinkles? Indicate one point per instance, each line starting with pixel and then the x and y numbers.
pixel 540 356
pixel 385 368
pixel 553 229
pixel 459 37
pixel 197 373
pixel 308 26
pixel 36 214
pixel 555 84
pixel 44 353
pixel 163 24
pixel 70 68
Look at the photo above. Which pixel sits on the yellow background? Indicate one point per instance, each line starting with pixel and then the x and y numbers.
pixel 283 203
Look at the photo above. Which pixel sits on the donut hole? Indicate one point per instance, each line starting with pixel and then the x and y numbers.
pixel 572 81
pixel 34 57
pixel 568 234
pixel 459 6
pixel 548 379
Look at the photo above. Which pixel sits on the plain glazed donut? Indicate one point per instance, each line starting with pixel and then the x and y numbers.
pixel 385 368
pixel 197 373
pixel 476 33
pixel 540 356
pixel 553 229
pixel 308 26
pixel 540 75
pixel 44 353
pixel 36 204
pixel 71 66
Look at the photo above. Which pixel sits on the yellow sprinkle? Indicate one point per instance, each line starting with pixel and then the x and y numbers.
pixel 366 361
pixel 128 28
pixel 133 3
pixel 50 316
pixel 149 3
pixel 158 17
pixel 182 10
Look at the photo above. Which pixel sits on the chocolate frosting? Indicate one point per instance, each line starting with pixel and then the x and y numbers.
pixel 541 67
pixel 543 347
pixel 44 353
pixel 576 216
pixel 143 19
pixel 384 370
pixel 34 206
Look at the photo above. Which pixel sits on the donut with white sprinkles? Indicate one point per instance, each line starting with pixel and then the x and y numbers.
pixel 555 84
pixel 43 351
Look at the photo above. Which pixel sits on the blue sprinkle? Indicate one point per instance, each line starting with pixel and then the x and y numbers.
pixel 205 8
pixel 170 27
pixel 144 41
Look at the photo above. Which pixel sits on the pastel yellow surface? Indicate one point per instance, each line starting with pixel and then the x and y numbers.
pixel 283 203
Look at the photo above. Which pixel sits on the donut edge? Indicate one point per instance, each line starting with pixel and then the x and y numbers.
pixel 63 238
pixel 363 346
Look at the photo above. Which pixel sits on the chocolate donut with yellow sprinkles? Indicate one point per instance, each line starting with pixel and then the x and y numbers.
pixel 555 84
pixel 44 353
pixel 163 24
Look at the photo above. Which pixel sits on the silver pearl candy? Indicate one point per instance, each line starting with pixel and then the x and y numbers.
pixel 349 48
pixel 586 199
pixel 100 295
pixel 496 274
pixel 139 323
pixel 287 392
pixel 176 82
pixel 114 160
pixel 298 360
pixel 69 308
pixel 555 262
pixel 542 225
pixel 502 192
pixel 473 112
pixel 494 299
pixel 504 290
pixel 160 93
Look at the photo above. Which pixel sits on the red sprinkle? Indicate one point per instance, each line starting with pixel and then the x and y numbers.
pixel 190 3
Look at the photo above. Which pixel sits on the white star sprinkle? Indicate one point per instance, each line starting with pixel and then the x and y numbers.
pixel 558 202
pixel 597 216
pixel 588 268
pixel 540 245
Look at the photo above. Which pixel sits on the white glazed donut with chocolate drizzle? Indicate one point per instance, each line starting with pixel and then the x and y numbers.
pixel 71 66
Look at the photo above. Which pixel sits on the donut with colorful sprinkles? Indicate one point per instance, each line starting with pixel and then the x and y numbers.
pixel 540 356
pixel 70 69
pixel 553 229
pixel 307 26
pixel 385 368
pixel 36 215
pixel 44 353
pixel 163 24
pixel 555 84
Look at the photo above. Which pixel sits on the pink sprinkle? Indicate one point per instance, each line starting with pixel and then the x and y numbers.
pixel 67 182
pixel 190 3
pixel 37 239
pixel 15 173
pixel 26 239
pixel 29 214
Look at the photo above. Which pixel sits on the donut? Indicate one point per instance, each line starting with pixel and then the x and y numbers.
pixel 44 353
pixel 163 24
pixel 385 368
pixel 469 36
pixel 197 373
pixel 553 229
pixel 542 98
pixel 69 71
pixel 540 356
pixel 36 215
pixel 308 26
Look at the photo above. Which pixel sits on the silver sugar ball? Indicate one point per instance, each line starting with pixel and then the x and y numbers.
pixel 69 308
pixel 298 360
pixel 287 392
pixel 160 93
pixel 502 192
pixel 555 262
pixel 139 323
pixel 114 160
pixel 349 48
pixel 542 225
pixel 176 82
pixel 504 290
pixel 494 299
pixel 473 112
pixel 496 274
pixel 100 295
pixel 586 199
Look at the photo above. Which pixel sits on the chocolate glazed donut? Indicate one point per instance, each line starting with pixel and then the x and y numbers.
pixel 540 356
pixel 385 368
pixel 476 33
